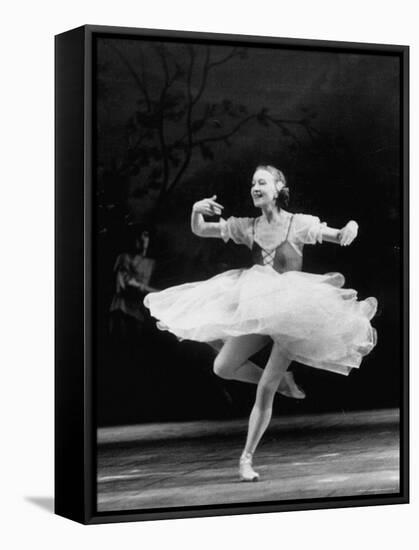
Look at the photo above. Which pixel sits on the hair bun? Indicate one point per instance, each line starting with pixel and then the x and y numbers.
pixel 283 197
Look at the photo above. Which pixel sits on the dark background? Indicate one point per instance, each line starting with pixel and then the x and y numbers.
pixel 177 122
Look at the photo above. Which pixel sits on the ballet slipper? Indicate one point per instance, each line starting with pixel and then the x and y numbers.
pixel 289 388
pixel 246 471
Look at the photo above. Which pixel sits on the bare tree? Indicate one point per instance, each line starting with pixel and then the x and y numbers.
pixel 173 119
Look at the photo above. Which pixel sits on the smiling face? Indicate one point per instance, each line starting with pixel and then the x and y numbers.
pixel 265 188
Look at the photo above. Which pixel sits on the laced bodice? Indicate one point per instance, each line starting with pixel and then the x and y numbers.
pixel 282 257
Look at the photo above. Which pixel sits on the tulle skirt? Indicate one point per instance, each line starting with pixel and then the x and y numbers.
pixel 312 318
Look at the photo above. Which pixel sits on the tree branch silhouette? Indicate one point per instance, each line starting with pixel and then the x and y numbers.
pixel 139 80
pixel 173 120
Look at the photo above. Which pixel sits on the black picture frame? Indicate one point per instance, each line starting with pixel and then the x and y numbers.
pixel 75 412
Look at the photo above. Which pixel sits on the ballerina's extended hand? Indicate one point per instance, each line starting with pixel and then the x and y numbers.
pixel 208 207
pixel 348 233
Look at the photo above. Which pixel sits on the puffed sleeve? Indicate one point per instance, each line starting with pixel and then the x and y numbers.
pixel 308 229
pixel 239 230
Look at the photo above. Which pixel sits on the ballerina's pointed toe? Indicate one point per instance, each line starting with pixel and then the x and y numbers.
pixel 246 471
pixel 289 388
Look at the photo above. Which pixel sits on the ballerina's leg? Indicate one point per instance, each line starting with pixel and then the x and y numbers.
pixel 232 363
pixel 262 409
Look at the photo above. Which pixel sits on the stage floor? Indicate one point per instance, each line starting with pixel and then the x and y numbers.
pixel 195 463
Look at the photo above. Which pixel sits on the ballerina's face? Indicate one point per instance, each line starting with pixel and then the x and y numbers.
pixel 264 188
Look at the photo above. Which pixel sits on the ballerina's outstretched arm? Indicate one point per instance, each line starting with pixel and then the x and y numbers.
pixel 343 236
pixel 206 207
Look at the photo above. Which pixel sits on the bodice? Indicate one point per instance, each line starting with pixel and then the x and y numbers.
pixel 282 258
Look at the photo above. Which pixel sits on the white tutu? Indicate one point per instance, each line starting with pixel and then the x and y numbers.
pixel 313 319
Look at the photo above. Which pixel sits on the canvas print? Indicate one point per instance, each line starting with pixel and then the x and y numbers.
pixel 247 231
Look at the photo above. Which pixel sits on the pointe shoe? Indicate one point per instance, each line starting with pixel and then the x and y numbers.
pixel 246 471
pixel 289 388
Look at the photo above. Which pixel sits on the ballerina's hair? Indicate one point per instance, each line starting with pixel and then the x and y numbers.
pixel 283 197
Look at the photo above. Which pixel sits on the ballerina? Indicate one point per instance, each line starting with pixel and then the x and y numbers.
pixel 310 318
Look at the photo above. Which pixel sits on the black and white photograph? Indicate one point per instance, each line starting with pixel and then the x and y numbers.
pixel 209 267
pixel 248 273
